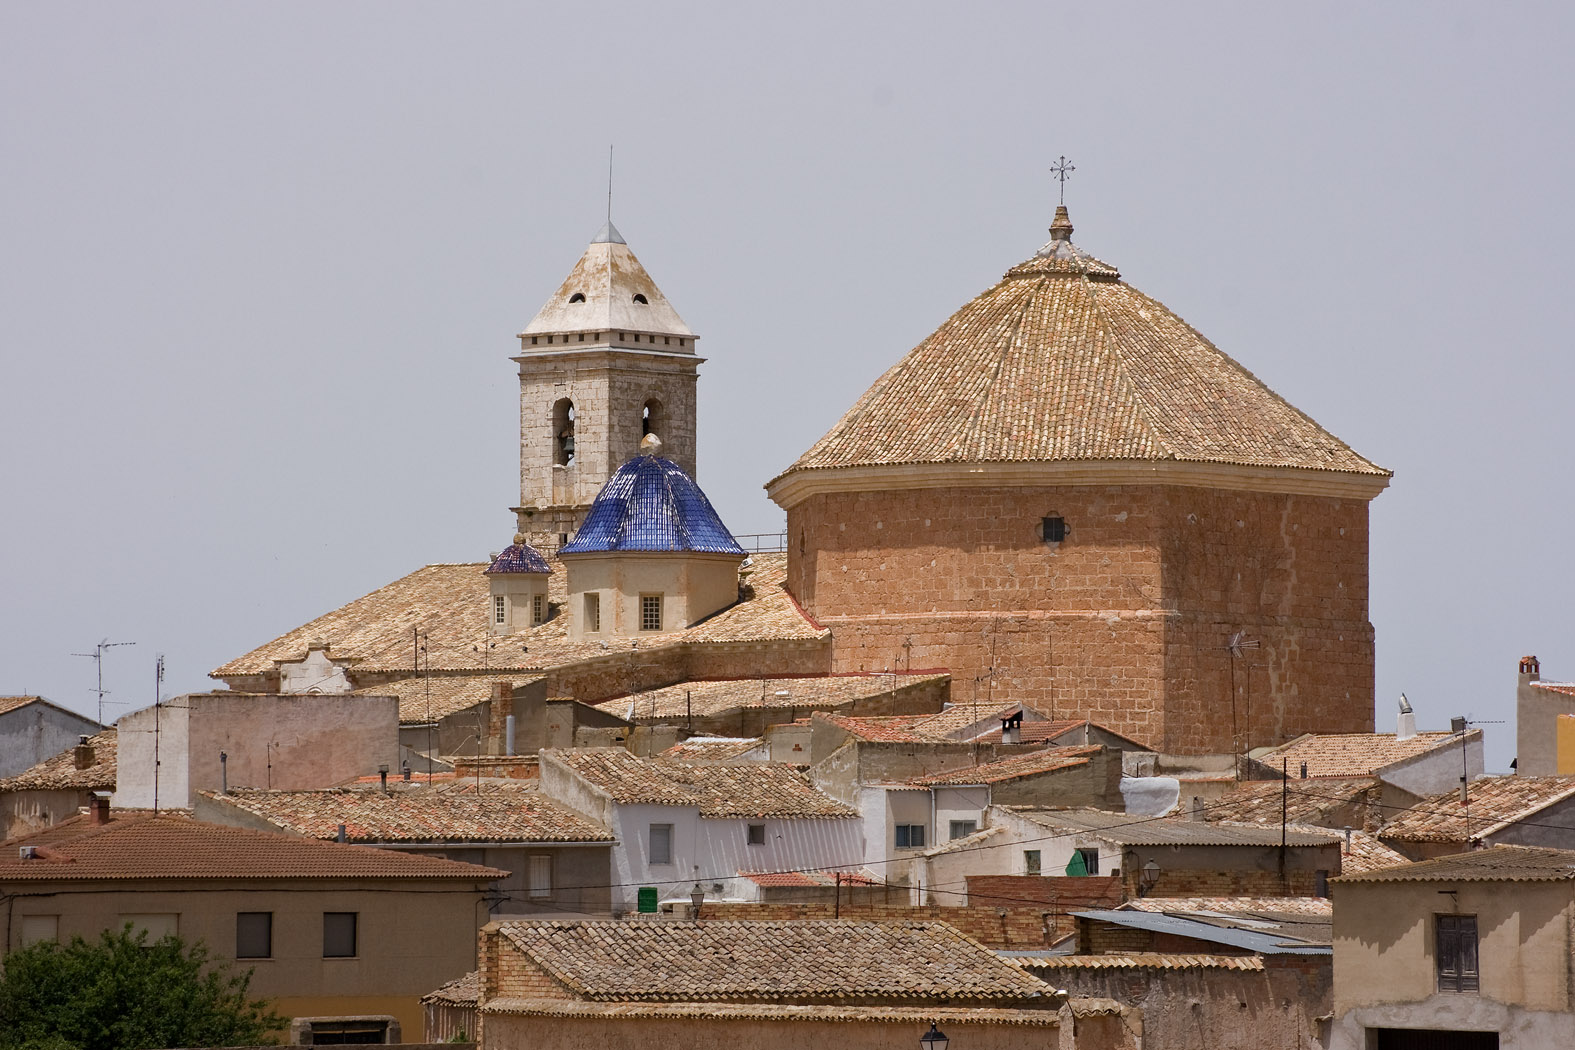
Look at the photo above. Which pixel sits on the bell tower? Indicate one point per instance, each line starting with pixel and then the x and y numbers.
pixel 604 363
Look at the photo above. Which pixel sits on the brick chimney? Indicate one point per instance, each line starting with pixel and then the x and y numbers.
pixel 1530 670
pixel 82 756
pixel 98 808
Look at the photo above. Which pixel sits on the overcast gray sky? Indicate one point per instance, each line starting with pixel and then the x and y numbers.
pixel 261 266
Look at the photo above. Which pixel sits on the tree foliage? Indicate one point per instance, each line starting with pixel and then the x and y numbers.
pixel 125 993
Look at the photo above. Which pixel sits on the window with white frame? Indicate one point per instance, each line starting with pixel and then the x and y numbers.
pixel 660 850
pixel 650 612
pixel 961 829
pixel 500 610
pixel 541 876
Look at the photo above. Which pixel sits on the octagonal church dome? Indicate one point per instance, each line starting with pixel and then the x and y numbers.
pixel 1063 367
pixel 651 505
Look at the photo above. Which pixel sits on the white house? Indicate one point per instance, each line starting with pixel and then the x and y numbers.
pixel 680 825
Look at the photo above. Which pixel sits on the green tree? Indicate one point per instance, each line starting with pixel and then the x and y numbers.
pixel 124 993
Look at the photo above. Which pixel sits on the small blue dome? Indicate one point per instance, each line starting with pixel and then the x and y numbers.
pixel 518 557
pixel 650 504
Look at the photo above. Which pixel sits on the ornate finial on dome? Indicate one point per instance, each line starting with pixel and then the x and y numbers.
pixel 1061 228
pixel 650 445
pixel 519 539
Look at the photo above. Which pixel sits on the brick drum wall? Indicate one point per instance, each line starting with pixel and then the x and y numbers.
pixel 1125 621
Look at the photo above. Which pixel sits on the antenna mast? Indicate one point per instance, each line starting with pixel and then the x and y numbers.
pixel 97 656
pixel 158 697
pixel 609 182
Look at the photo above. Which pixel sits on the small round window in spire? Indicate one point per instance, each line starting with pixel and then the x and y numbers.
pixel 577 297
pixel 640 298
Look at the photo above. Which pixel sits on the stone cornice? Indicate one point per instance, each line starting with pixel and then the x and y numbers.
pixel 789 489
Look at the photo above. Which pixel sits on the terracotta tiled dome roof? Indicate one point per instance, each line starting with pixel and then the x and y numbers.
pixel 1064 361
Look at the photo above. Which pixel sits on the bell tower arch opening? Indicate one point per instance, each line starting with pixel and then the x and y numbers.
pixel 563 432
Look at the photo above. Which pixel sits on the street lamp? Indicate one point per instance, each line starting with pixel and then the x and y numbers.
pixel 696 898
pixel 933 1039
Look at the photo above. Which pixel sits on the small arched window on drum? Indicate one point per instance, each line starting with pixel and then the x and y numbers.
pixel 1052 529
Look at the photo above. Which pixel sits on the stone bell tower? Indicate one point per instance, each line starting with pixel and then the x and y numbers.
pixel 605 362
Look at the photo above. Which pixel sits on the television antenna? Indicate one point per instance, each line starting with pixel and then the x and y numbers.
pixel 97 656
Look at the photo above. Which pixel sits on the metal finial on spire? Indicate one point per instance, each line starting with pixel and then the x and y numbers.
pixel 1062 171
pixel 609 183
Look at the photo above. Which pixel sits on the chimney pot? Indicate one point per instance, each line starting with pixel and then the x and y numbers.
pixel 82 756
pixel 98 809
pixel 1530 667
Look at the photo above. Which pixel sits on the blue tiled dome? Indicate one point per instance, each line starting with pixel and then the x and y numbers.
pixel 519 556
pixel 650 504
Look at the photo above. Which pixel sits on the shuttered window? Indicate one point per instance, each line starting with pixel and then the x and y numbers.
pixel 1457 953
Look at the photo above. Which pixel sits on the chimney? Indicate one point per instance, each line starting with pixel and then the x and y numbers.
pixel 341 837
pixel 1405 725
pixel 1011 728
pixel 1530 670
pixel 382 776
pixel 502 713
pixel 98 808
pixel 82 755
pixel 1197 807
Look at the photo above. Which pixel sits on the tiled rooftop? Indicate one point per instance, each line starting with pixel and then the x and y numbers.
pixel 143 845
pixel 1031 764
pixel 1167 831
pixel 519 557
pixel 1145 961
pixel 650 504
pixel 807 960
pixel 1366 853
pixel 1063 361
pixel 461 812
pixel 431 697
pixel 1306 801
pixel 712 698
pixel 1357 754
pixel 1496 864
pixel 449 602
pixel 1567 688
pixel 461 991
pixel 808 879
pixel 711 749
pixel 1268 907
pixel 60 773
pixel 754 789
pixel 1492 803
pixel 891 729
pixel 11 703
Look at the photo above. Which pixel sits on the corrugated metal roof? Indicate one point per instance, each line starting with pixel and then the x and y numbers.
pixel 650 504
pixel 1251 940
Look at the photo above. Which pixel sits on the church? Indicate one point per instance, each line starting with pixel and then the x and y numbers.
pixel 1065 498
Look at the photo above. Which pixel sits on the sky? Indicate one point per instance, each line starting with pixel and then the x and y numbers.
pixel 262 265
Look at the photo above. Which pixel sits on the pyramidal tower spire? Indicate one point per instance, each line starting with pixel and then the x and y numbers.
pixel 605 362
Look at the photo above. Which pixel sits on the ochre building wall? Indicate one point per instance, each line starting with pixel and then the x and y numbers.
pixel 1125 621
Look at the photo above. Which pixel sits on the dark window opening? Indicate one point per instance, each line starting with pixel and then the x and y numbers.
pixel 1090 858
pixel 1457 953
pixel 639 297
pixel 563 432
pixel 1053 529
pixel 1031 862
pixel 757 834
pixel 254 935
pixel 349 1032
pixel 577 297
pixel 339 934
pixel 910 836
pixel 961 829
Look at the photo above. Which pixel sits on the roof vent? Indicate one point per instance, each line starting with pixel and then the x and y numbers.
pixel 29 852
